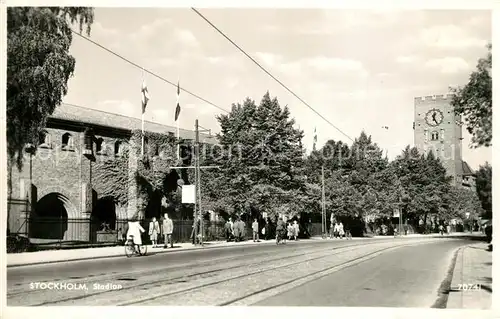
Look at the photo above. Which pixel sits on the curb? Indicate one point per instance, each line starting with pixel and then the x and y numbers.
pixel 215 246
pixel 445 287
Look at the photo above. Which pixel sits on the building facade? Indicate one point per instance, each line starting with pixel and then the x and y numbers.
pixel 64 177
pixel 438 129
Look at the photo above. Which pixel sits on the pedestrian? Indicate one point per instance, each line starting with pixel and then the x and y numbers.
pixel 290 231
pixel 168 229
pixel 488 231
pixel 135 230
pixel 241 229
pixel 296 229
pixel 154 230
pixel 255 228
pixel 347 230
pixel 441 230
pixel 228 228
pixel 195 233
pixel 236 231
pixel 341 230
pixel 267 229
pixel 336 230
pixel 280 230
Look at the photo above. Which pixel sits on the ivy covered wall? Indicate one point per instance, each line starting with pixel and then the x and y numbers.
pixel 150 176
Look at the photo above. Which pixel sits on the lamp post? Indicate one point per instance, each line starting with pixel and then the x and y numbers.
pixel 323 212
pixel 467 215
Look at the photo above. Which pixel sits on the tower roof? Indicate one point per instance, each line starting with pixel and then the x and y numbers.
pixel 467 171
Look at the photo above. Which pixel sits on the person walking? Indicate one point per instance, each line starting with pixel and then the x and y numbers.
pixel 228 228
pixel 341 230
pixel 336 230
pixel 236 230
pixel 290 231
pixel 347 230
pixel 241 229
pixel 441 229
pixel 195 233
pixel 280 230
pixel 154 230
pixel 267 229
pixel 168 229
pixel 296 229
pixel 255 229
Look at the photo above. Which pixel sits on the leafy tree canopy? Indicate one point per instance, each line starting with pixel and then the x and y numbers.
pixel 474 102
pixel 38 68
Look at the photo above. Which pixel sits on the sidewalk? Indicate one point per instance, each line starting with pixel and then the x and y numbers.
pixel 473 269
pixel 53 256
pixel 65 255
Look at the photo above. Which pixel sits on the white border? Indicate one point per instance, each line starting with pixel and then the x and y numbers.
pixel 243 312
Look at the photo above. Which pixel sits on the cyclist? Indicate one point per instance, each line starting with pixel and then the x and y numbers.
pixel 134 230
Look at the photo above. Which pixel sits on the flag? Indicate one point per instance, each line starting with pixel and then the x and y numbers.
pixel 178 107
pixel 145 96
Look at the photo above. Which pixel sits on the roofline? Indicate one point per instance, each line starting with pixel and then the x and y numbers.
pixel 167 127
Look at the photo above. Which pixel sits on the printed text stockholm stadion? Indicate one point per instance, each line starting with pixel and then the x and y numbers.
pixel 73 286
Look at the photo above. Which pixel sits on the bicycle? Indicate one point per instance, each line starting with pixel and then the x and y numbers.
pixel 134 249
pixel 280 238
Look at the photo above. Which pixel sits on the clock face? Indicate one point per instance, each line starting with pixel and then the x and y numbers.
pixel 434 117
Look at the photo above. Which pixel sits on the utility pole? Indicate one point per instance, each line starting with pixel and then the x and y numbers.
pixel 323 212
pixel 197 176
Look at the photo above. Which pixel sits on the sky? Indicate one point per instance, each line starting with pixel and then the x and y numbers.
pixel 360 69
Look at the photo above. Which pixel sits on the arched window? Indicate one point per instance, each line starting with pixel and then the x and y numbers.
pixel 67 141
pixel 99 146
pixel 118 148
pixel 44 139
pixel 434 136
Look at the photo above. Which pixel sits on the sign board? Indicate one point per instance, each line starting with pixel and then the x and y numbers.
pixel 188 194
pixel 396 213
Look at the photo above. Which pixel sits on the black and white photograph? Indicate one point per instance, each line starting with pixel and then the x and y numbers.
pixel 244 156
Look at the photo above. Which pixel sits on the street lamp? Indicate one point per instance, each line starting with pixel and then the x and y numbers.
pixel 467 215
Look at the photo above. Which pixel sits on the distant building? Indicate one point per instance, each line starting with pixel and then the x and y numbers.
pixel 62 178
pixel 438 129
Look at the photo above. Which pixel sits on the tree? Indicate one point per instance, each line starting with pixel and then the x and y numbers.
pixel 474 102
pixel 461 202
pixel 262 162
pixel 424 183
pixel 483 188
pixel 38 68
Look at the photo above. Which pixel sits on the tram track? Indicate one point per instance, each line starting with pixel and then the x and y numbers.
pixel 182 277
pixel 210 284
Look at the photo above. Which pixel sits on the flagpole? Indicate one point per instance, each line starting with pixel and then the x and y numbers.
pixel 177 123
pixel 178 142
pixel 142 121
pixel 142 144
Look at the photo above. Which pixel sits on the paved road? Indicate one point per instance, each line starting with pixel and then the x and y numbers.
pixel 393 272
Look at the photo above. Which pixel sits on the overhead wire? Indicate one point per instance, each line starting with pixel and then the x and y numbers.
pixel 148 71
pixel 269 74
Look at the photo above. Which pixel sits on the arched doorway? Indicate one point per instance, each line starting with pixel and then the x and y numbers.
pixel 153 209
pixel 50 217
pixel 103 216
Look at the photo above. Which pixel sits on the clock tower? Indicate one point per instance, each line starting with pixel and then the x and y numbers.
pixel 438 129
